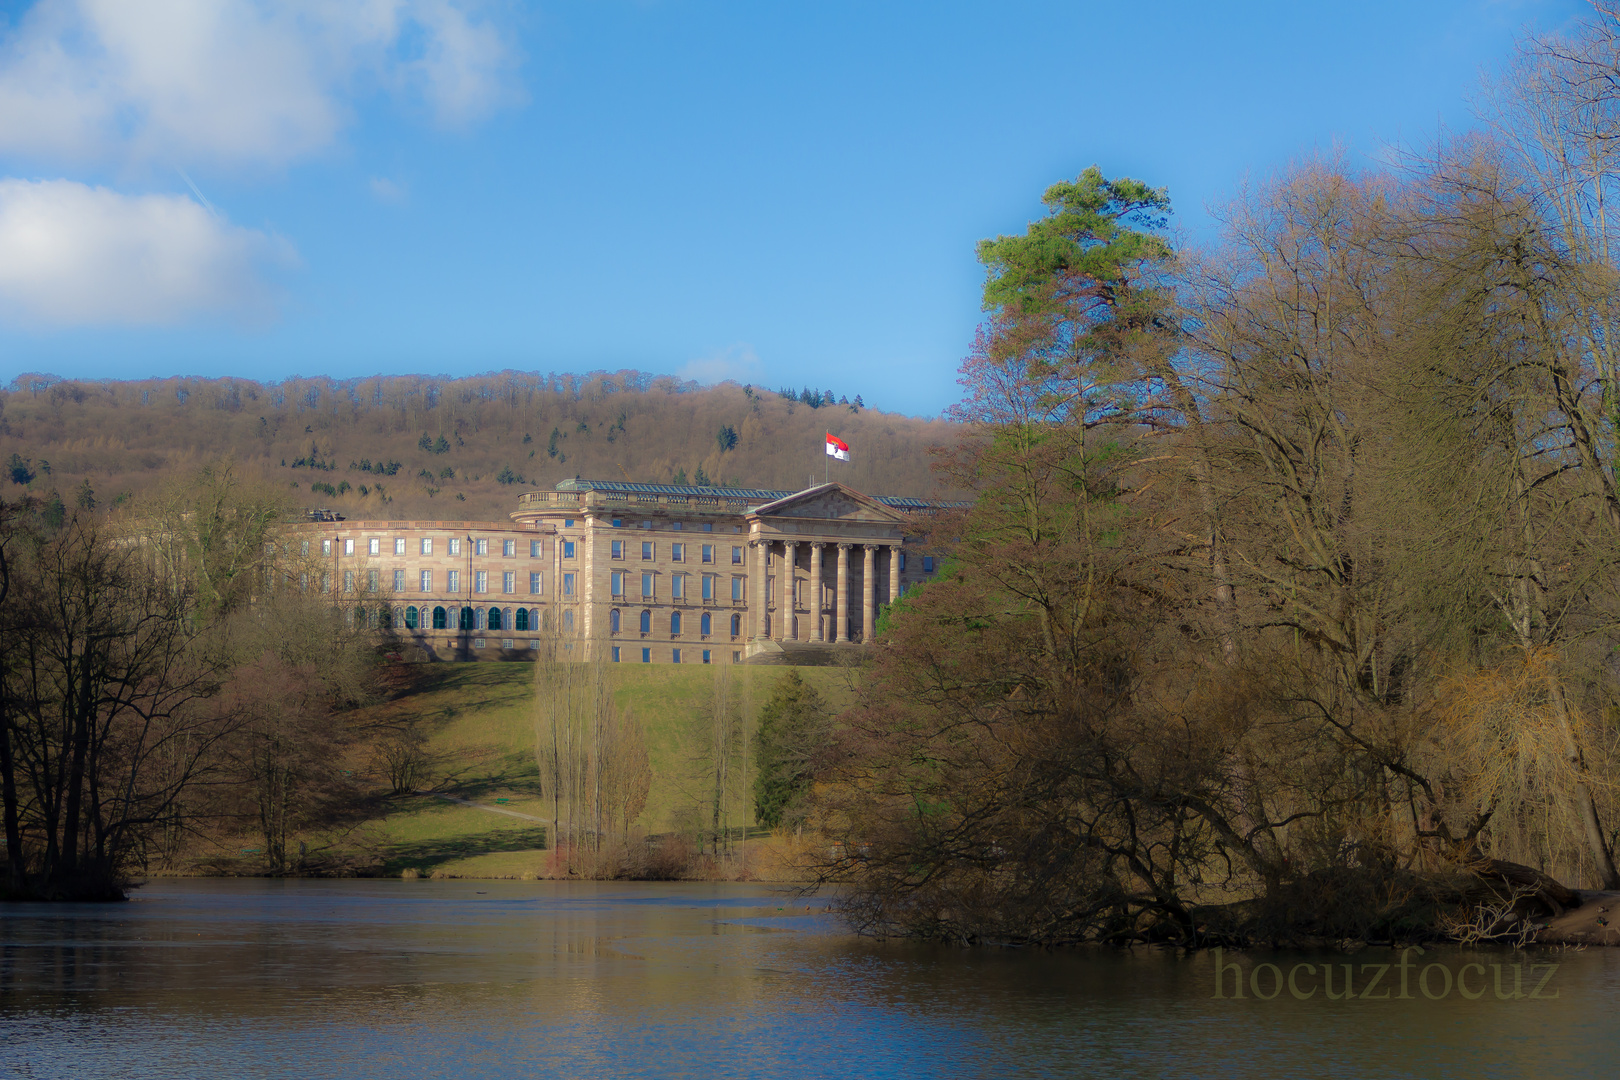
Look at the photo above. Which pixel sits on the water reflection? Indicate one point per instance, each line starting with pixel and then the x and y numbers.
pixel 385 978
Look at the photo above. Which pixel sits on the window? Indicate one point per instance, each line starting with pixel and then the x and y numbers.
pixel 647 583
pixel 455 545
pixel 928 564
pixel 618 523
pixel 480 547
pixel 646 524
pixel 706 656
pixel 705 624
pixel 646 622
pixel 646 549
pixel 373 580
pixel 736 556
pixel 537 548
pixel 348 547
pixel 736 656
pixel 303 547
pixel 412 618
pixel 399 581
pixel 615 654
pixel 902 560
pixel 466 619
pixel 737 587
pixel 677 656
pixel 613 621
pixel 677 552
pixel 348 581
pixel 708 553
pixel 522 619
pixel 568 523
pixel 326 582
pixel 506 643
pixel 452 582
pixel 427 581
pixel 534 643
pixel 616 582
pixel 326 547
pixel 478 643
pixel 568 549
pixel 509 548
pixel 481 581
pixel 535 583
pixel 495 619
pixel 427 545
pixel 674 623
pixel 677 587
pixel 618 549
pixel 441 619
pixel 399 545
pixel 708 526
pixel 646 656
pixel 508 582
pixel 568 584
pixel 708 586
pixel 374 546
pixel 736 625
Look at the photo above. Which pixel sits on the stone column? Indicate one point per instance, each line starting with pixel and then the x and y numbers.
pixel 868 591
pixel 789 630
pixel 841 604
pixel 894 572
pixel 817 630
pixel 756 589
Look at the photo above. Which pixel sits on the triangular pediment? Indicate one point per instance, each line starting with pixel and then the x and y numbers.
pixel 830 502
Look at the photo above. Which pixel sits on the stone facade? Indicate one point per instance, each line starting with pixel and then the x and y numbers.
pixel 651 573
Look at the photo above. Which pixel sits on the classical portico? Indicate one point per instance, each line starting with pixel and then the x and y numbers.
pixel 790 541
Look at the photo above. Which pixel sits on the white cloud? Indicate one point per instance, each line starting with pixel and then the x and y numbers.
pixel 738 362
pixel 74 254
pixel 385 190
pixel 234 82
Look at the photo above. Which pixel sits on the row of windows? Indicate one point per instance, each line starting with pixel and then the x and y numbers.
pixel 677 552
pixel 509 548
pixel 708 583
pixel 646 656
pixel 468 618
pixel 452 581
pixel 705 623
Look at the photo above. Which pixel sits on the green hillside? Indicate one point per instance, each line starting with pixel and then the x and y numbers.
pixel 482 740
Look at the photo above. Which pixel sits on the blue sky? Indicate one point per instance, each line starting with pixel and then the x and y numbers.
pixel 778 193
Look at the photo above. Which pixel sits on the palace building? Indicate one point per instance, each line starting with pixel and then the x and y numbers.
pixel 649 573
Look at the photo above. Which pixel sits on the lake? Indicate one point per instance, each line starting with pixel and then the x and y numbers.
pixel 254 978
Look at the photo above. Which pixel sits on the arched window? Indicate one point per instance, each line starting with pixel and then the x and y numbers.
pixel 412 617
pixel 466 618
pixel 705 624
pixel 568 619
pixel 613 621
pixel 441 619
pixel 522 619
pixel 736 625
pixel 675 622
pixel 399 618
pixel 534 619
pixel 494 618
pixel 646 622
pixel 348 617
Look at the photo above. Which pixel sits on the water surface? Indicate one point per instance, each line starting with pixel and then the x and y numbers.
pixel 511 979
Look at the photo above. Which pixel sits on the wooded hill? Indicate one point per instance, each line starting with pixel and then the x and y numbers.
pixel 423 447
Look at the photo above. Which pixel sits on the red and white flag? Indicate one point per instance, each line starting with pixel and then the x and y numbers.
pixel 837 447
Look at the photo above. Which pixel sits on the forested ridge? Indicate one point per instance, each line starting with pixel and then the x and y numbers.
pixel 422 447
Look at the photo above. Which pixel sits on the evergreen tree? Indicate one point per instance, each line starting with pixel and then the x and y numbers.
pixel 795 725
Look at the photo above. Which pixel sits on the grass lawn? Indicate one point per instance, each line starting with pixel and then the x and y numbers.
pixel 482 739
